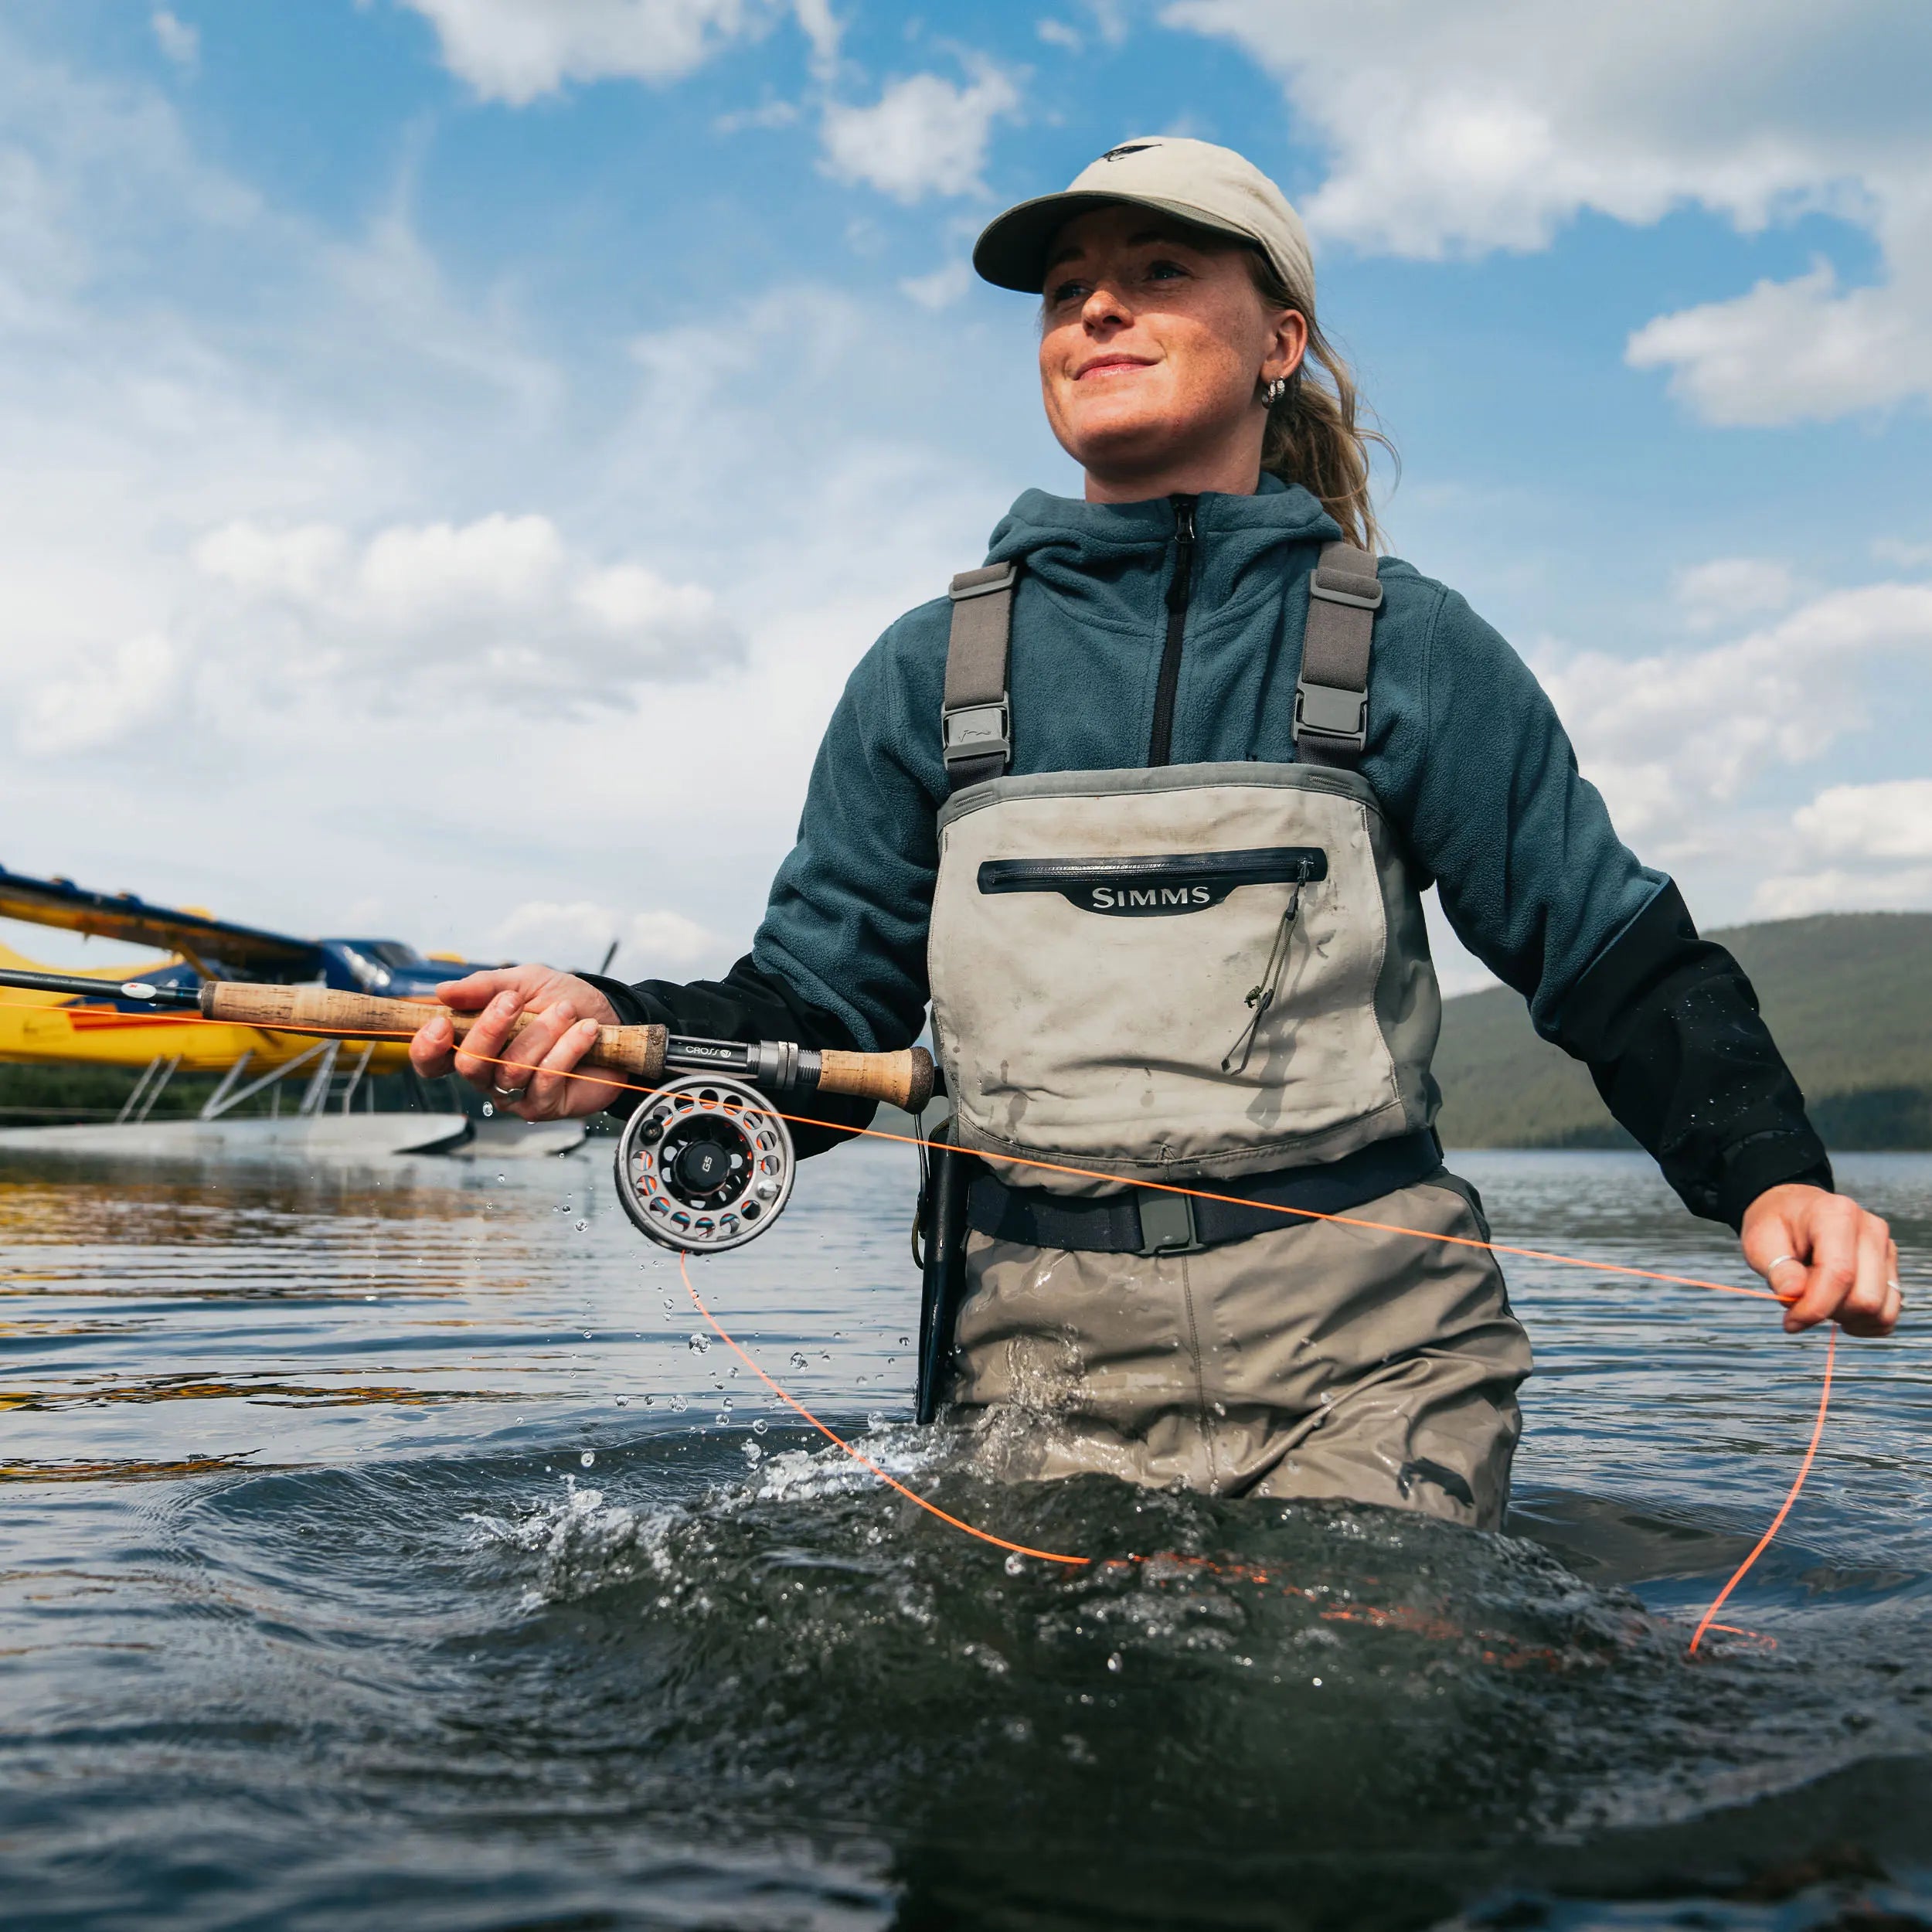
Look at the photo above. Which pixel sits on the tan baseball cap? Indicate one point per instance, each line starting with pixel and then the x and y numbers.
pixel 1213 187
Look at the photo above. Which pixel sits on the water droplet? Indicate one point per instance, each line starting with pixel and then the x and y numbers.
pixel 734 1371
pixel 588 1336
pixel 700 1344
pixel 488 1110
pixel 1014 1564
pixel 581 1225
pixel 503 1177
pixel 824 1354
pixel 1116 1663
pixel 623 1402
pixel 678 1404
pixel 1316 1682
pixel 727 1402
pixel 368 1298
pixel 752 1453
pixel 905 1341
pixel 721 1418
pixel 670 1302
pixel 798 1358
pixel 588 1458
pixel 759 1426
pixel 875 1422
pixel 650 1402
pixel 838 1334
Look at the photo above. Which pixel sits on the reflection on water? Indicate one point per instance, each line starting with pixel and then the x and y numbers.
pixel 383 1549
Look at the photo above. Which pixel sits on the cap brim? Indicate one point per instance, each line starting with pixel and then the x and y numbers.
pixel 1012 253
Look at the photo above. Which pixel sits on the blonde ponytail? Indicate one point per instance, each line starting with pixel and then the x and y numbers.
pixel 1315 436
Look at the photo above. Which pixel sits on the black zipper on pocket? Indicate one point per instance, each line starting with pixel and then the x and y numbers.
pixel 1160 750
pixel 1154 884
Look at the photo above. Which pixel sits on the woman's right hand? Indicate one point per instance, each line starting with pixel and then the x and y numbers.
pixel 532 1075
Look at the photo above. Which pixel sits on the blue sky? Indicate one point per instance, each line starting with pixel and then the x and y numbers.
pixel 441 440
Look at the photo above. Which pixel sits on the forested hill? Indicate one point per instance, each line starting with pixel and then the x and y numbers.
pixel 1846 996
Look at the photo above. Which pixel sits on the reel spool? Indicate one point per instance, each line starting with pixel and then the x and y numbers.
pixel 705 1164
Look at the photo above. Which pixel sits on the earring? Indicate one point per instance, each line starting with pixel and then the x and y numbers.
pixel 1272 393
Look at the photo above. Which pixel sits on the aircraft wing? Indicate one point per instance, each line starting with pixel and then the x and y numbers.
pixel 215 947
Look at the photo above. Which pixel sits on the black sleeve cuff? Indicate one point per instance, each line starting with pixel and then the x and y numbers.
pixel 1668 1026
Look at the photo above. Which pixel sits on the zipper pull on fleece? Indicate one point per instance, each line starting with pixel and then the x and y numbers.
pixel 1181 581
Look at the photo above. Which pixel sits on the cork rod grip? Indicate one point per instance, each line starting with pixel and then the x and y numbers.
pixel 634 1052
pixel 904 1079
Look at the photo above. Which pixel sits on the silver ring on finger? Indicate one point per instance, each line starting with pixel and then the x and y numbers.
pixel 1770 1267
pixel 510 1093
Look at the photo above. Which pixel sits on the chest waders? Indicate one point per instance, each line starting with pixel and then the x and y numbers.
pixel 1214 975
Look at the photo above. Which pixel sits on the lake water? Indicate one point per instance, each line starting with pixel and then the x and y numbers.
pixel 381 1552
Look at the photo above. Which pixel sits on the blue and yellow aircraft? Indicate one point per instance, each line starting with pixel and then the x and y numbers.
pixel 54 1027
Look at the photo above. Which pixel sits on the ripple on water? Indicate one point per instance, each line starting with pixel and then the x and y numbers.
pixel 347 1656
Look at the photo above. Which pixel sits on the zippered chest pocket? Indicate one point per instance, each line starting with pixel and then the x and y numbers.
pixel 1155 884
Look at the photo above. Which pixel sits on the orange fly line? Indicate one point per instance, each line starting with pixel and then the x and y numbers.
pixel 1344 1220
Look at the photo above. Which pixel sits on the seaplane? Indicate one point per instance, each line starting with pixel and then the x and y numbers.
pixel 334 1115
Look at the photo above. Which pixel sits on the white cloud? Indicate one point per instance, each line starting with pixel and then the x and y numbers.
pixel 1669 738
pixel 498 611
pixel 179 41
pixel 390 545
pixel 941 289
pixel 516 50
pixel 1892 820
pixel 93 704
pixel 1801 350
pixel 1797 895
pixel 1727 588
pixel 659 944
pixel 1454 130
pixel 1057 33
pixel 923 136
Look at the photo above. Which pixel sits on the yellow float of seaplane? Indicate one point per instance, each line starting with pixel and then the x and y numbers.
pixel 332 1113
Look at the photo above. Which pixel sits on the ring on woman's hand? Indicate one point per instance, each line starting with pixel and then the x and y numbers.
pixel 510 1093
pixel 1768 1266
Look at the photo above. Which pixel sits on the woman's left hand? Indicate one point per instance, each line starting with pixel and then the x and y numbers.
pixel 1825 1258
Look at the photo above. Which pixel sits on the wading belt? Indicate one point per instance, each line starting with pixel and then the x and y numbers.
pixel 1152 1221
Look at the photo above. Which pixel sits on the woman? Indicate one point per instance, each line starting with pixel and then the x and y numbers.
pixel 1145 807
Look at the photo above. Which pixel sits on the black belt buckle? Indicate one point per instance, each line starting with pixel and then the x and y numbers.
pixel 1167 1222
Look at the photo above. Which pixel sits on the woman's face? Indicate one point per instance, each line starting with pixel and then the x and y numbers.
pixel 1153 347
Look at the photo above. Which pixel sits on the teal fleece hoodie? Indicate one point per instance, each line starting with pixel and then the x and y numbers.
pixel 1465 749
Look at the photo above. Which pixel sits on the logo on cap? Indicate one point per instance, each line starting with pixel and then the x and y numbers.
pixel 1132 148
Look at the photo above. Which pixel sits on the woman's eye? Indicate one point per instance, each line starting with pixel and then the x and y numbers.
pixel 1164 271
pixel 1067 292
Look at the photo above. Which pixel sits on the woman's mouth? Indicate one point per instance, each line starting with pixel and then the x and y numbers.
pixel 1110 365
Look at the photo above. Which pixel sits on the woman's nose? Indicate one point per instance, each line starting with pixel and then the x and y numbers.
pixel 1103 304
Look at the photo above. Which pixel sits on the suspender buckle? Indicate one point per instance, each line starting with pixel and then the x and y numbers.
pixel 1327 711
pixel 1167 1222
pixel 976 731
pixel 1344 587
pixel 983 583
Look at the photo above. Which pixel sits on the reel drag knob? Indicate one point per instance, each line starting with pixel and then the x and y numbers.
pixel 704 1165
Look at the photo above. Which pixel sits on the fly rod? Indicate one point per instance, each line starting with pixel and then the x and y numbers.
pixel 643 1055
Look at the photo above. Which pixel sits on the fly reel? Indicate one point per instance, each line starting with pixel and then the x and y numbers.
pixel 705 1164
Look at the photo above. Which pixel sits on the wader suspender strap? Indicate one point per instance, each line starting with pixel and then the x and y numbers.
pixel 976 728
pixel 1332 695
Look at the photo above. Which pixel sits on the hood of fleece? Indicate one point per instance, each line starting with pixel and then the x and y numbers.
pixel 1056 534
